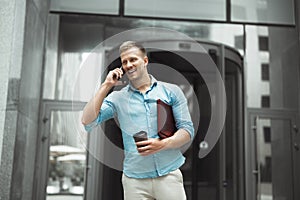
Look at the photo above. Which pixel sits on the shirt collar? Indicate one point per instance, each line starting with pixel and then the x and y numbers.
pixel 152 80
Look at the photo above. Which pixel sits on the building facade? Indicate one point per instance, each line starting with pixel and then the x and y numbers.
pixel 46 47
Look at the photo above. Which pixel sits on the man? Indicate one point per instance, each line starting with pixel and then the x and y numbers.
pixel 151 167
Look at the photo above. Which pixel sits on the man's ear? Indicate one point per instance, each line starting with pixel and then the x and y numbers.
pixel 146 60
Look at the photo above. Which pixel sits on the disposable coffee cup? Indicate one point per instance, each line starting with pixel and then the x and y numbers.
pixel 140 136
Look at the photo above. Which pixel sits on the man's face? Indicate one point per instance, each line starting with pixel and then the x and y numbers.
pixel 134 63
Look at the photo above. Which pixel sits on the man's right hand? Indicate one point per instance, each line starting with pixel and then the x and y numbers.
pixel 92 108
pixel 113 76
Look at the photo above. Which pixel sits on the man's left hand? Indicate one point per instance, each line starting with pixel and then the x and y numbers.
pixel 150 146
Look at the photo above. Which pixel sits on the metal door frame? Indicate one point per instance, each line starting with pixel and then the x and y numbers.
pixel 252 114
pixel 43 142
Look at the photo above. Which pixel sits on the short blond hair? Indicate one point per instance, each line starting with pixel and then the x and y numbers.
pixel 131 44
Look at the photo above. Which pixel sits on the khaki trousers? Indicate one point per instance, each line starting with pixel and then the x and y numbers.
pixel 168 187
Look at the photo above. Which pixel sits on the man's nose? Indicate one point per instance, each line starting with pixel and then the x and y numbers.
pixel 128 65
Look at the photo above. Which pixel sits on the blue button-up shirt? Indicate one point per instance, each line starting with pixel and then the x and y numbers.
pixel 136 111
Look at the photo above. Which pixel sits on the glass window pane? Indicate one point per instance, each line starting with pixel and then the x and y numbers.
pixel 191 9
pixel 72 81
pixel 263 11
pixel 232 35
pixel 272 67
pixel 265 75
pixel 263 43
pixel 265 101
pixel 72 39
pixel 87 6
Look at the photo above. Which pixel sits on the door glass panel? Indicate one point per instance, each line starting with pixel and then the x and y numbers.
pixel 273 144
pixel 67 157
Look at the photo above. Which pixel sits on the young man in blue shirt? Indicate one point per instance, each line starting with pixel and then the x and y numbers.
pixel 151 167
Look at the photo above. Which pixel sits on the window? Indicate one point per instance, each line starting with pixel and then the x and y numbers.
pixel 87 6
pixel 266 170
pixel 263 43
pixel 265 101
pixel 239 41
pixel 267 134
pixel 263 11
pixel 265 72
pixel 193 9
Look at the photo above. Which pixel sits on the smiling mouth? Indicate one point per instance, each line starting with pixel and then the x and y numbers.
pixel 131 71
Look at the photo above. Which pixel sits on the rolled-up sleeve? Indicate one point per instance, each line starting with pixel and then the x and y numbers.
pixel 181 112
pixel 107 111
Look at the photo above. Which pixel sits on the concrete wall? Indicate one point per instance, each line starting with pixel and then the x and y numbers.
pixel 6 18
pixel 12 30
pixel 23 24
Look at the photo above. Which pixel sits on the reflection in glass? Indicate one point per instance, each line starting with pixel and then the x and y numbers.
pixel 192 9
pixel 67 157
pixel 71 74
pixel 263 11
pixel 257 88
pixel 87 6
pixel 272 67
pixel 272 145
pixel 72 67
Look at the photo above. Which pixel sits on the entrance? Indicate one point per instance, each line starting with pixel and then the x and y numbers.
pixel 218 176
pixel 270 168
pixel 61 172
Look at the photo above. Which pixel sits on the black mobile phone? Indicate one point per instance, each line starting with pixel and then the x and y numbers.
pixel 122 71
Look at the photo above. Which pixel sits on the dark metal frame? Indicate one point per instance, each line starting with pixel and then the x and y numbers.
pixel 228 19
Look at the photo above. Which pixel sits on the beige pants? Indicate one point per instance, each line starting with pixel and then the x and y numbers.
pixel 168 187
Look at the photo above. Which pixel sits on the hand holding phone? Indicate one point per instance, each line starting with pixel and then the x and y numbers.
pixel 115 76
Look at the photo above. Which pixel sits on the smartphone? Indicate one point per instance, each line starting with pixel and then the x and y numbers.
pixel 115 76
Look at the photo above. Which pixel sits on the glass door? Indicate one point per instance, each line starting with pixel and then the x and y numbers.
pixel 62 156
pixel 272 157
pixel 67 157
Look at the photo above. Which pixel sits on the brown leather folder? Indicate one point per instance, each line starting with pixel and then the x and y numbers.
pixel 165 120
